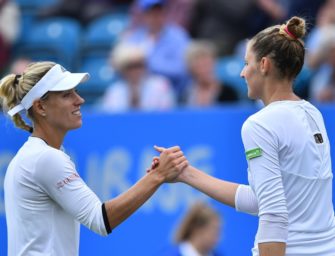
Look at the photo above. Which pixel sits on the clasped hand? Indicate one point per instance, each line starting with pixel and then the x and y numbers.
pixel 169 164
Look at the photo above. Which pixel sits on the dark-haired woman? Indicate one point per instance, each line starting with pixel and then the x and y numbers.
pixel 288 153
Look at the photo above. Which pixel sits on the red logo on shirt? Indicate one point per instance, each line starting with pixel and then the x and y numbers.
pixel 67 180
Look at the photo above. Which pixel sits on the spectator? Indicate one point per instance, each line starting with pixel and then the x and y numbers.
pixel 136 88
pixel 19 65
pixel 266 12
pixel 198 233
pixel 321 54
pixel 217 20
pixel 323 83
pixel 163 43
pixel 325 22
pixel 306 8
pixel 83 10
pixel 205 89
pixel 177 12
pixel 226 24
pixel 9 30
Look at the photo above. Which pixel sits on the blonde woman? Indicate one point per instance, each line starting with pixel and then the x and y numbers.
pixel 45 198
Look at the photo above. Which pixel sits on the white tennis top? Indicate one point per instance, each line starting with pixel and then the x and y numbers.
pixel 45 200
pixel 290 177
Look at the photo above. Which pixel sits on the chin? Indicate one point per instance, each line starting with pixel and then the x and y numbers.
pixel 251 96
pixel 76 126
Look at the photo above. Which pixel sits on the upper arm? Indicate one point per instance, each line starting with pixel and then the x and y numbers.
pixel 56 174
pixel 266 181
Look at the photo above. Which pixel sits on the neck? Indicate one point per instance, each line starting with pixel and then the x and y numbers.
pixel 277 91
pixel 197 244
pixel 52 137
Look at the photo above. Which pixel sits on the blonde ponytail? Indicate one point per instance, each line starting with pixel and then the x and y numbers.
pixel 14 87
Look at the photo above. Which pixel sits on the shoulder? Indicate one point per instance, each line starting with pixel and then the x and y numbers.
pixel 53 169
pixel 271 115
pixel 52 159
pixel 275 120
pixel 52 155
pixel 176 31
pixel 158 81
pixel 258 119
pixel 134 34
pixel 52 162
pixel 262 124
pixel 117 87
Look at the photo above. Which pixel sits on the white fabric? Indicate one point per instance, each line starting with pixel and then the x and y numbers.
pixel 155 93
pixel 292 179
pixel 45 200
pixel 245 200
pixel 187 249
pixel 10 21
pixel 56 79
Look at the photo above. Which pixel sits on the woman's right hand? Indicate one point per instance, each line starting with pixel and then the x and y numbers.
pixel 170 165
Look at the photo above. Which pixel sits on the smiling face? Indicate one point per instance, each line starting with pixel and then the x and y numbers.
pixel 62 110
pixel 252 75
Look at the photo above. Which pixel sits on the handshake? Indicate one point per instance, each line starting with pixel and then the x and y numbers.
pixel 170 165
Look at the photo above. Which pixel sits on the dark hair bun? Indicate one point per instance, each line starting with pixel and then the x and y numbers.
pixel 297 26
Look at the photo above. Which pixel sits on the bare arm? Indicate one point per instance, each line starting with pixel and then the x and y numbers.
pixel 272 249
pixel 220 190
pixel 172 162
pixel 121 207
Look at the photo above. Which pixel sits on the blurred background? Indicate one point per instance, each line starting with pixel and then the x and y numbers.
pixel 162 72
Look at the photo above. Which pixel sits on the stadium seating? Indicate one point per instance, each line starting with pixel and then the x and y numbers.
pixel 55 39
pixel 102 34
pixel 302 82
pixel 228 71
pixel 33 5
pixel 101 76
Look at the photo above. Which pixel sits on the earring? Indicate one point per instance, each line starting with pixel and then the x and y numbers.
pixel 43 114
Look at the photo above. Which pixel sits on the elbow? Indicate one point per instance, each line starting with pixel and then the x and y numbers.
pixel 273 227
pixel 281 217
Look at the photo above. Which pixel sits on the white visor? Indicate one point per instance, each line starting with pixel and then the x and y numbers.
pixel 56 79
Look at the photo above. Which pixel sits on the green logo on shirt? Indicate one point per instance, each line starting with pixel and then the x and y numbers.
pixel 252 153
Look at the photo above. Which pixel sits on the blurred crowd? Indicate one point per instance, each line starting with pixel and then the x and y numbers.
pixel 162 54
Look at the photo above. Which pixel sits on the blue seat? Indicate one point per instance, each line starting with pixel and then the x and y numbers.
pixel 103 33
pixel 102 75
pixel 54 39
pixel 33 5
pixel 228 71
pixel 302 82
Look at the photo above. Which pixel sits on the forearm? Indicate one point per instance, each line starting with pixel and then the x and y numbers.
pixel 220 190
pixel 121 207
pixel 272 249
